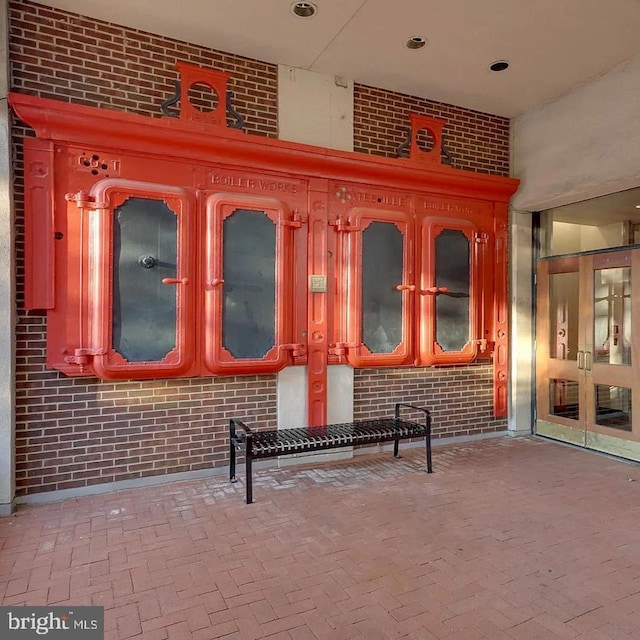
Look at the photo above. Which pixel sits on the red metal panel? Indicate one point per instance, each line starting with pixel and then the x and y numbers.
pixel 318 305
pixel 430 352
pixel 191 76
pixel 66 322
pixel 501 314
pixel 216 358
pixel 198 143
pixel 358 354
pixel 105 197
pixel 40 230
pixel 434 126
pixel 197 153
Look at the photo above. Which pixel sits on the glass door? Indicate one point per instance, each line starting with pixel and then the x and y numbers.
pixel 587 367
pixel 560 410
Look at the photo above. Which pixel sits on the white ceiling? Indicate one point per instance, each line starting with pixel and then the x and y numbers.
pixel 552 45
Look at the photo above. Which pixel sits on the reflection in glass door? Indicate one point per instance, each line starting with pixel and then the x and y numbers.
pixel 558 375
pixel 586 367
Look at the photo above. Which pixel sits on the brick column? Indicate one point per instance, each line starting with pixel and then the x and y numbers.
pixel 7 286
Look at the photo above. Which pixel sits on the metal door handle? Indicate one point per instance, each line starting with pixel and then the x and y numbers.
pixel 406 287
pixel 175 280
pixel 435 290
pixel 588 360
pixel 580 360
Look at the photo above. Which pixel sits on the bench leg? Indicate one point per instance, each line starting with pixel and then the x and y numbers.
pixel 428 445
pixel 232 461
pixel 396 444
pixel 249 460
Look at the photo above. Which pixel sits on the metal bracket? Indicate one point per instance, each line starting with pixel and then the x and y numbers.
pixel 238 120
pixel 237 123
pixel 81 356
pixel 403 150
pixel 84 201
pixel 485 345
pixel 169 102
pixel 297 221
pixel 340 348
pixel 447 157
pixel 341 225
pixel 297 349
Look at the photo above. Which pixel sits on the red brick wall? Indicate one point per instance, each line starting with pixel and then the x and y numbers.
pixel 477 141
pixel 76 432
pixel 79 432
pixel 67 57
pixel 460 398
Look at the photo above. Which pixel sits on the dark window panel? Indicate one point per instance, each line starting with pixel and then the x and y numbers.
pixel 613 407
pixel 144 252
pixel 452 270
pixel 249 272
pixel 382 265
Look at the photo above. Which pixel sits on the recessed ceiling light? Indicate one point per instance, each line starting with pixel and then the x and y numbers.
pixel 304 9
pixel 638 206
pixel 415 42
pixel 499 65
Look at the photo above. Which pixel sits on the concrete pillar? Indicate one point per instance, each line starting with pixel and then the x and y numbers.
pixel 7 286
pixel 522 338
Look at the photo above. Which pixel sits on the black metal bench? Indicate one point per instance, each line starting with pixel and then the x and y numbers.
pixel 257 445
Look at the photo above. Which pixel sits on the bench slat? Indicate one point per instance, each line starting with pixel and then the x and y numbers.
pixel 271 443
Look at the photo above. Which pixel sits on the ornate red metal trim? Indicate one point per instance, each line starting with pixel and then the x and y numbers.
pixel 320 199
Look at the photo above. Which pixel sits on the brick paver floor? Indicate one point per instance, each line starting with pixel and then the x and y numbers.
pixel 508 539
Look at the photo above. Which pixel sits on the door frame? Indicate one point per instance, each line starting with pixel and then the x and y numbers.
pixel 583 368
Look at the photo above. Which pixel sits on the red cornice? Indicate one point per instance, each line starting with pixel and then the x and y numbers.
pixel 82 125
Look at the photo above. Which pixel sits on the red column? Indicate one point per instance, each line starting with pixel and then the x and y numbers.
pixel 318 303
pixel 501 314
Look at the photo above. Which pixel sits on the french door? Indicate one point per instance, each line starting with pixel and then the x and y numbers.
pixel 588 362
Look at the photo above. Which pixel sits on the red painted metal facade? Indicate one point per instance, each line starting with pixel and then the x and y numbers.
pixel 87 165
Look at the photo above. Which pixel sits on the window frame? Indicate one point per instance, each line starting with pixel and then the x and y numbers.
pixel 108 195
pixel 217 359
pixel 429 351
pixel 358 354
